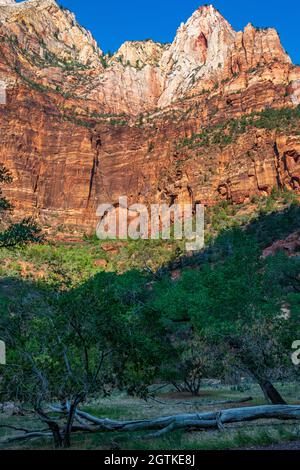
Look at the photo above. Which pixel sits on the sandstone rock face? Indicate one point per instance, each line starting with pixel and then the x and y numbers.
pixel 199 52
pixel 126 89
pixel 42 28
pixel 291 246
pixel 256 47
pixel 140 53
pixel 80 128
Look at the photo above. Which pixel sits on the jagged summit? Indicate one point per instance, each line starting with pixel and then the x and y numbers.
pixel 199 51
pixel 44 29
pixel 140 53
pixel 142 75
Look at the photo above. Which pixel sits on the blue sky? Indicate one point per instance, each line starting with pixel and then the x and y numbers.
pixel 115 21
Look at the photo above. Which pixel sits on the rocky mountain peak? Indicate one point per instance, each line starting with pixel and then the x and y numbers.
pixel 207 51
pixel 140 53
pixel 199 51
pixel 141 75
pixel 45 29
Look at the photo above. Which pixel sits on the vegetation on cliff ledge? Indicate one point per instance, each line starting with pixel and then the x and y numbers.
pixel 227 132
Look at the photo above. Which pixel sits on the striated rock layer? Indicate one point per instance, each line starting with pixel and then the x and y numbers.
pixel 80 128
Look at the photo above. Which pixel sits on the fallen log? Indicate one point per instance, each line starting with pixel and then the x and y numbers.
pixel 162 425
pixel 234 415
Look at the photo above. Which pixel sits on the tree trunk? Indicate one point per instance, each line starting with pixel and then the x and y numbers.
pixel 54 428
pixel 70 420
pixel 271 394
pixel 57 439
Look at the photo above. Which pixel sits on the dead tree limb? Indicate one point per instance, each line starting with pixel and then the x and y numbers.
pixel 162 425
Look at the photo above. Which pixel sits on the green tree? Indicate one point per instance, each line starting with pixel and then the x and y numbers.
pixel 232 303
pixel 74 345
pixel 14 234
pixel 191 360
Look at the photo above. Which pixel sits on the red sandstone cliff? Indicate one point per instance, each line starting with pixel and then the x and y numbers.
pixel 81 128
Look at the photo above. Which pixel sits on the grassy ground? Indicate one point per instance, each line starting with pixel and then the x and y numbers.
pixel 246 435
